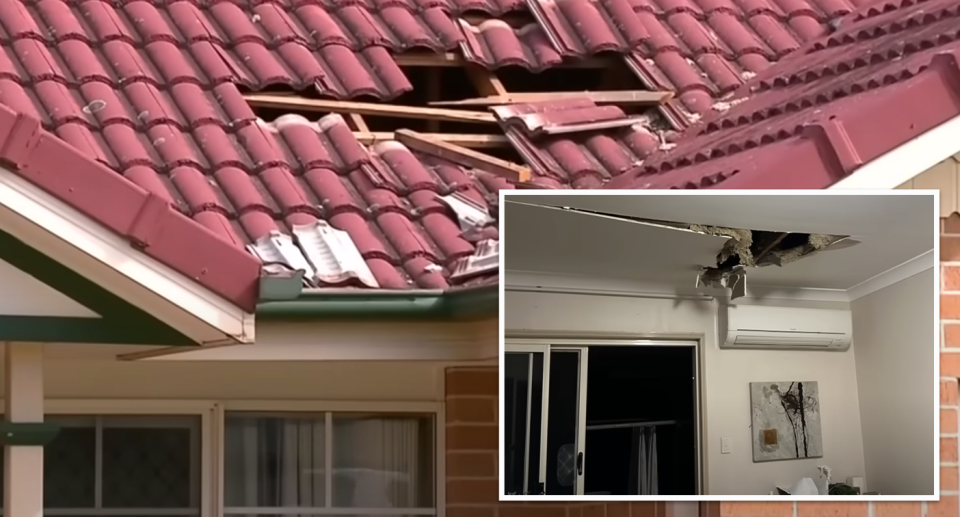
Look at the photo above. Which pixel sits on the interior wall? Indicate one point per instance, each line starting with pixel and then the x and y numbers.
pixel 896 343
pixel 725 377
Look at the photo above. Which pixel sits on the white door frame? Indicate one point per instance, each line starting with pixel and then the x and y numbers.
pixel 541 345
pixel 544 407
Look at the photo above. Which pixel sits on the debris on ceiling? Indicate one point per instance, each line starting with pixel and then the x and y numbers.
pixel 744 248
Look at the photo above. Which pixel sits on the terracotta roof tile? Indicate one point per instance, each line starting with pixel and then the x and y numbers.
pixel 887 75
pixel 575 143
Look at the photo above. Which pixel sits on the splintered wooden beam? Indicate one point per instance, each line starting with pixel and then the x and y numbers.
pixel 459 154
pixel 620 98
pixel 467 140
pixel 485 81
pixel 366 108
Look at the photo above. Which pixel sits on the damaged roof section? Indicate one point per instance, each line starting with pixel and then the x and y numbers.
pixel 742 248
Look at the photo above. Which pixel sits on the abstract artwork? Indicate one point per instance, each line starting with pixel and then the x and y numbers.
pixel 786 420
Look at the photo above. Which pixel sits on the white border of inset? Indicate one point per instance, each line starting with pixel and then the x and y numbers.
pixel 857 291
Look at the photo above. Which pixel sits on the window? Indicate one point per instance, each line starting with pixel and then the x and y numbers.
pixel 123 466
pixel 328 464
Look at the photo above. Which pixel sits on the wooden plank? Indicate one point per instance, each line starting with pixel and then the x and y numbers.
pixel 468 140
pixel 620 98
pixel 366 108
pixel 485 81
pixel 356 122
pixel 462 155
pixel 433 92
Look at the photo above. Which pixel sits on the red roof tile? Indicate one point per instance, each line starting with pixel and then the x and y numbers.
pixel 147 221
pixel 579 156
pixel 887 75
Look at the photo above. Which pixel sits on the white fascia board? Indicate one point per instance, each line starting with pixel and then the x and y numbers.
pixel 347 341
pixel 60 231
pixel 903 163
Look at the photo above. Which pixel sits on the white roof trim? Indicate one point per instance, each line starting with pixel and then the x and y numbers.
pixel 907 161
pixel 58 230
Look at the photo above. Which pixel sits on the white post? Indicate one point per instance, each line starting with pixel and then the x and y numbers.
pixel 23 466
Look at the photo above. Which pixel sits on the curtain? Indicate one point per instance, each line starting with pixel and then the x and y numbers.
pixel 378 462
pixel 274 462
pixel 645 439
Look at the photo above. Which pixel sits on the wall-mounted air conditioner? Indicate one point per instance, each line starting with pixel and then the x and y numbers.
pixel 760 327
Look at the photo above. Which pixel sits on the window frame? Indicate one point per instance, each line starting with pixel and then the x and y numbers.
pixel 212 415
pixel 433 409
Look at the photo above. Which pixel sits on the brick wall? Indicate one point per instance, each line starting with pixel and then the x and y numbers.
pixel 472 441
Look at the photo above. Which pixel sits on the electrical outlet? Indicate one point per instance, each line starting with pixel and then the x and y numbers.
pixel 724 445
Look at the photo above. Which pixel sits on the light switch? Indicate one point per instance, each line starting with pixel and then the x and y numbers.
pixel 724 445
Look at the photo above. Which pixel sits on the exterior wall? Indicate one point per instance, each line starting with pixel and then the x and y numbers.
pixel 944 176
pixel 892 378
pixel 949 504
pixel 472 445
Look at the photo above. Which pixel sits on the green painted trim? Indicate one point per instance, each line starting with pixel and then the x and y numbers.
pixel 38 434
pixel 119 321
pixel 319 305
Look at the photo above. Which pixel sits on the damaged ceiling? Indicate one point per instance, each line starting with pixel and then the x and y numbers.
pixel 720 240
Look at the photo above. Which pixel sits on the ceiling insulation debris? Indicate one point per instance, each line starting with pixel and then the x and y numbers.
pixel 745 248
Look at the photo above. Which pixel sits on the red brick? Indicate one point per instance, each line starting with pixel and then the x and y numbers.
pixel 482 410
pixel 950 364
pixel 950 306
pixel 948 393
pixel 951 224
pixel 473 381
pixel 948 450
pixel 472 464
pixel 948 421
pixel 897 509
pixel 951 335
pixel 756 509
pixel 949 479
pixel 951 278
pixel 472 491
pixel 949 248
pixel 472 511
pixel 472 437
pixel 947 506
pixel 534 510
pixel 840 509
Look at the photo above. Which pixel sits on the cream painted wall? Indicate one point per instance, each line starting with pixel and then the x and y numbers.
pixel 896 347
pixel 105 378
pixel 725 380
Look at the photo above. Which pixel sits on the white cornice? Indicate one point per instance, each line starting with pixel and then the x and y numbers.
pixel 530 281
pixel 893 275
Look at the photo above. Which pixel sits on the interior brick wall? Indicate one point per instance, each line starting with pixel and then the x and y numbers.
pixel 471 439
pixel 471 443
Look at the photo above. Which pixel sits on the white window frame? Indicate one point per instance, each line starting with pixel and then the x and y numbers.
pixel 212 414
pixel 434 409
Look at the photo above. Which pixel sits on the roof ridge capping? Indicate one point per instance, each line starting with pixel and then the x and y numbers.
pixel 829 134
pixel 149 223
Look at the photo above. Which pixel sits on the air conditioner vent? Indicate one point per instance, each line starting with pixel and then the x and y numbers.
pixel 761 327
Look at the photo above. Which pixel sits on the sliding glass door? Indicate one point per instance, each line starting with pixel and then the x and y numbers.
pixel 543 449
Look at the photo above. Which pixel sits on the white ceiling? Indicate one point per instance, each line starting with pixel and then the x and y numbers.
pixel 892 229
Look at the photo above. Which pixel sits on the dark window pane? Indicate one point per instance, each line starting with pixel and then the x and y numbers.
pixel 150 462
pixel 274 460
pixel 69 464
pixel 383 461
